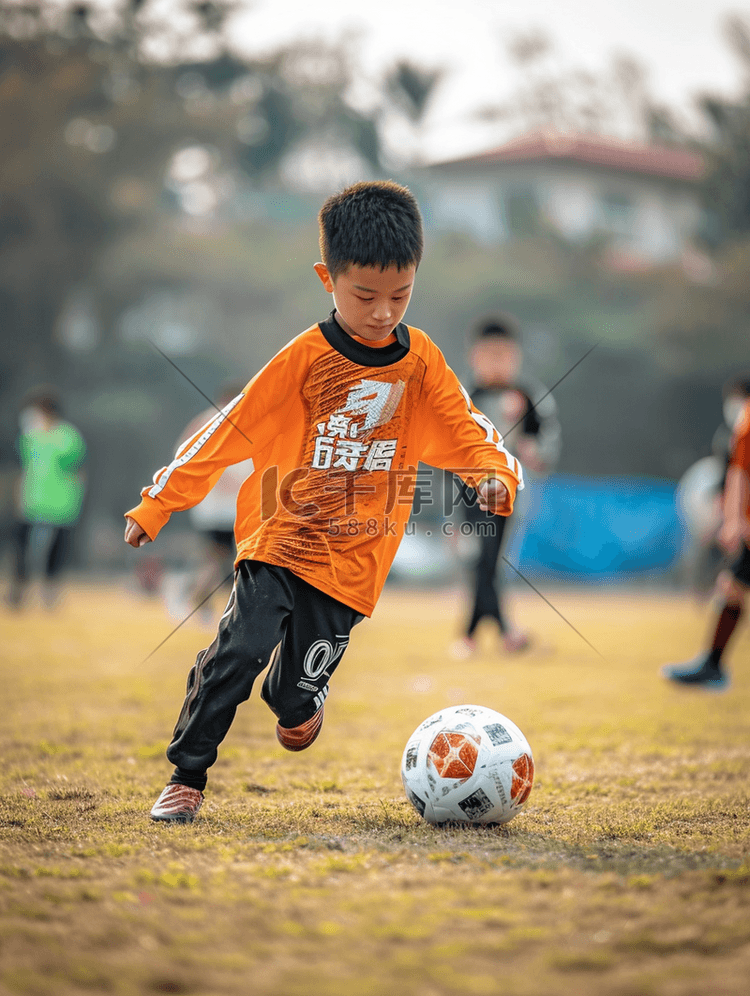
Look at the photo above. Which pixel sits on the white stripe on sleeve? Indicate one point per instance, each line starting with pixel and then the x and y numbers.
pixel 493 436
pixel 185 456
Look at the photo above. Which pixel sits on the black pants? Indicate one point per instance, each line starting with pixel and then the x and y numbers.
pixel 58 551
pixel 57 555
pixel 272 616
pixel 487 584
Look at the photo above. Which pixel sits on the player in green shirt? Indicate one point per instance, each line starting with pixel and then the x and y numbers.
pixel 51 490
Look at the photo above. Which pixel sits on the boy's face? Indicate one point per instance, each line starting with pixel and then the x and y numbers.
pixel 370 302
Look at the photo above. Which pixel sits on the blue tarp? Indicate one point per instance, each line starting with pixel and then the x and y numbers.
pixel 603 529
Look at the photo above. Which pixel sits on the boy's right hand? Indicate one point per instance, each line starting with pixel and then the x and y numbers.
pixel 134 535
pixel 492 495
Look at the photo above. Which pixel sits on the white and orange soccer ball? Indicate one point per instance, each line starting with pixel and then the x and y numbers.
pixel 467 764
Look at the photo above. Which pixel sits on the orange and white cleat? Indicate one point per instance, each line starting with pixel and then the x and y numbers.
pixel 177 804
pixel 300 737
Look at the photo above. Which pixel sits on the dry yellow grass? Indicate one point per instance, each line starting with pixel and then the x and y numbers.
pixel 310 875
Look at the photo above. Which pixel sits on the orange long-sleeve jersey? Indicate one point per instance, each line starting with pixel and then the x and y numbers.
pixel 335 430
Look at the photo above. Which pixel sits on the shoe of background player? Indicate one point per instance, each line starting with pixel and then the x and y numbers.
pixel 300 737
pixel 462 648
pixel 515 641
pixel 177 804
pixel 701 672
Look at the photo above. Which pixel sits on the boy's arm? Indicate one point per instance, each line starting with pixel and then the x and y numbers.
pixel 242 427
pixel 456 436
pixel 195 467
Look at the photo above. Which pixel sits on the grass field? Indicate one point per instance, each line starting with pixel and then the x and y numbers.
pixel 310 874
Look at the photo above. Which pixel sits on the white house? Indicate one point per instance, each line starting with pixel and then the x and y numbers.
pixel 645 198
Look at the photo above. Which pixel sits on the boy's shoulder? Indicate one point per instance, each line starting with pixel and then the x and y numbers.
pixel 423 345
pixel 312 334
pixel 311 341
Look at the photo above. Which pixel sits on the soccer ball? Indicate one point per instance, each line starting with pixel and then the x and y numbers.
pixel 467 764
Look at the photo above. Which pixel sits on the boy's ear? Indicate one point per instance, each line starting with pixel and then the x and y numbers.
pixel 325 277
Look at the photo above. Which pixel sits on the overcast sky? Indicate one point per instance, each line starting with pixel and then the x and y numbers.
pixel 680 42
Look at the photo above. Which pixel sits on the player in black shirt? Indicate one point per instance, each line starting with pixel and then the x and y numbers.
pixel 523 411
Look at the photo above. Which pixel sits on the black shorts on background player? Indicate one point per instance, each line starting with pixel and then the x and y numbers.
pixel 486 600
pixel 57 556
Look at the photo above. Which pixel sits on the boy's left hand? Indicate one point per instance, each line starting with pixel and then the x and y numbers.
pixel 492 494
pixel 135 535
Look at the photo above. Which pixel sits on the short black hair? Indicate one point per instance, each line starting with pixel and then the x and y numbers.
pixel 498 327
pixel 373 223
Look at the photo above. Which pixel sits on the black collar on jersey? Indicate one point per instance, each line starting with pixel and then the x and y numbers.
pixel 357 352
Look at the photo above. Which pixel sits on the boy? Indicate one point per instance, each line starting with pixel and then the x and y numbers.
pixel 495 361
pixel 706 670
pixel 335 424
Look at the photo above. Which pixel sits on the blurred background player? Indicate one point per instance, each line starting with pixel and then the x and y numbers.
pixel 522 409
pixel 213 521
pixel 699 496
pixel 736 393
pixel 49 494
pixel 706 670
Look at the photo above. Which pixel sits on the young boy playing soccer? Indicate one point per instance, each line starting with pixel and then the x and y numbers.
pixel 335 425
pixel 706 670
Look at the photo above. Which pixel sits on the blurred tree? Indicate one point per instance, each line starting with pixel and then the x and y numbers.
pixel 303 99
pixel 702 319
pixel 614 100
pixel 94 105
pixel 412 87
pixel 87 133
pixel 408 90
pixel 727 185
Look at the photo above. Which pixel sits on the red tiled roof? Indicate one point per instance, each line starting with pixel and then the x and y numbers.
pixel 609 153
